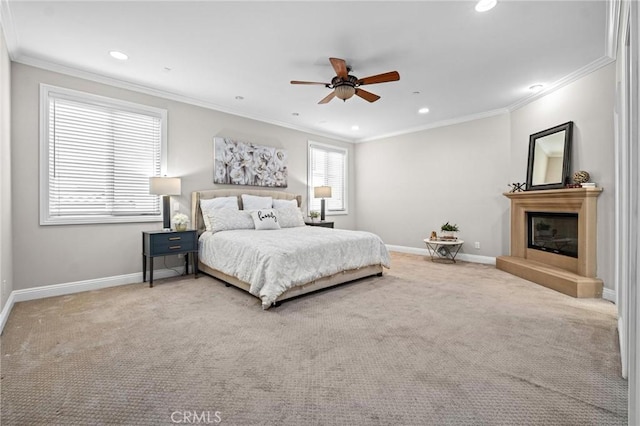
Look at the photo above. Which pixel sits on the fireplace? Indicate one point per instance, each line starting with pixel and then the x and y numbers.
pixel 553 240
pixel 553 232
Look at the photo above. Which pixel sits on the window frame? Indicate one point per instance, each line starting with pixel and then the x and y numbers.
pixel 89 98
pixel 345 179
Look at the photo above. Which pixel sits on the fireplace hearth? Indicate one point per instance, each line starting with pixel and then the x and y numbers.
pixel 553 240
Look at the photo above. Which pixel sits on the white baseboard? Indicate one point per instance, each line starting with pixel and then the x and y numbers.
pixel 6 310
pixel 462 256
pixel 609 294
pixel 77 287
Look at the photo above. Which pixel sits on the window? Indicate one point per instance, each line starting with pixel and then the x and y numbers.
pixel 96 157
pixel 328 167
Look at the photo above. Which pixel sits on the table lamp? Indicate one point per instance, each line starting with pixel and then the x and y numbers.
pixel 165 186
pixel 322 192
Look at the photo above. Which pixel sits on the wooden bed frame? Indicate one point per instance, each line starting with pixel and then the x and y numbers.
pixel 329 281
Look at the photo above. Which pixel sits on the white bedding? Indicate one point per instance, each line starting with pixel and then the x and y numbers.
pixel 275 260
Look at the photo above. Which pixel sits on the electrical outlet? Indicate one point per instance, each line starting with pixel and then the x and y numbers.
pixel 477 244
pixel 176 206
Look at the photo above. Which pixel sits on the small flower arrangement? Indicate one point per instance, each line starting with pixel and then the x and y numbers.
pixel 449 227
pixel 180 220
pixel 313 215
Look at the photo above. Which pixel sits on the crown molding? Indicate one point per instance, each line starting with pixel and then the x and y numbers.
pixel 442 123
pixel 123 84
pixel 614 14
pixel 570 78
pixel 8 28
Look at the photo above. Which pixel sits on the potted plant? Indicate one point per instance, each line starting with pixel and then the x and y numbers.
pixel 449 230
pixel 180 221
pixel 313 215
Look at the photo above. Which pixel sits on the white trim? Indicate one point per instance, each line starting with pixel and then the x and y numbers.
pixel 613 29
pixel 442 123
pixel 345 177
pixel 568 79
pixel 46 92
pixel 9 29
pixel 79 286
pixel 474 258
pixel 87 75
pixel 6 310
pixel 609 294
pixel 74 72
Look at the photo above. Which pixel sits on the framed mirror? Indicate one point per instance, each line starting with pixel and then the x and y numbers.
pixel 549 158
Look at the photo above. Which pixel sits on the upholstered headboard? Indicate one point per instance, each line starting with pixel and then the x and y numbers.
pixel 196 214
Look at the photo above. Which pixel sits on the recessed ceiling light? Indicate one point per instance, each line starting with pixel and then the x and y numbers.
pixel 485 5
pixel 118 55
pixel 295 114
pixel 535 88
pixel 423 110
pixel 355 127
pixel 239 98
pixel 416 93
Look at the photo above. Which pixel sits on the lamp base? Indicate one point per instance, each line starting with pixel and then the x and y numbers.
pixel 166 219
pixel 322 210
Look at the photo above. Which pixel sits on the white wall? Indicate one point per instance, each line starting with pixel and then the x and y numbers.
pixel 46 255
pixel 409 185
pixel 6 257
pixel 589 103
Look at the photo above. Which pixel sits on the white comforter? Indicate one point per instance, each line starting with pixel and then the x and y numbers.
pixel 275 260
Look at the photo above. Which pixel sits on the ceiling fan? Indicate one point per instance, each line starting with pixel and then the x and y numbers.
pixel 346 85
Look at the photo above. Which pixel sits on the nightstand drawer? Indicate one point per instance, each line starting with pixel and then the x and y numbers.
pixel 173 237
pixel 173 247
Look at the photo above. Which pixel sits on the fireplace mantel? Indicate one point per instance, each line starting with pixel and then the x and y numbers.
pixel 575 277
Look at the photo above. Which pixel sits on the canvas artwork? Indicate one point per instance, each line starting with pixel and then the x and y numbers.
pixel 245 163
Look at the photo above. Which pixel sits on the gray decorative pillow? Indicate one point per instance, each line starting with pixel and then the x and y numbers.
pixel 265 219
pixel 229 219
pixel 290 217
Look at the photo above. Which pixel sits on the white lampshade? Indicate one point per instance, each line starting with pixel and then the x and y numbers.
pixel 322 192
pixel 164 185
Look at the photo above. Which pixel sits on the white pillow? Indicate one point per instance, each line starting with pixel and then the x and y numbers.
pixel 220 203
pixel 265 219
pixel 209 205
pixel 253 202
pixel 229 219
pixel 281 204
pixel 290 217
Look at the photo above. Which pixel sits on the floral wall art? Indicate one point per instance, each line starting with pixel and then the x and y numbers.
pixel 245 163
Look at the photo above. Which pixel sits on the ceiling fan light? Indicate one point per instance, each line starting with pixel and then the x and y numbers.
pixel 345 91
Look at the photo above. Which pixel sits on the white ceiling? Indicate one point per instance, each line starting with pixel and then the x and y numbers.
pixel 457 62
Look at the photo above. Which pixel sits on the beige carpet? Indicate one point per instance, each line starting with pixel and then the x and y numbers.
pixel 426 344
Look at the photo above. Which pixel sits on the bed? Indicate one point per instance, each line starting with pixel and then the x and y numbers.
pixel 262 262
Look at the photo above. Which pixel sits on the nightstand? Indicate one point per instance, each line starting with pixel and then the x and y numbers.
pixel 324 224
pixel 163 243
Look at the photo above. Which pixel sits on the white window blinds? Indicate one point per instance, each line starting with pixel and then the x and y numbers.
pixel 99 156
pixel 328 167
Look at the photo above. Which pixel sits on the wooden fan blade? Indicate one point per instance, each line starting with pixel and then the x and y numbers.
pixel 328 98
pixel 380 78
pixel 367 96
pixel 308 82
pixel 340 66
